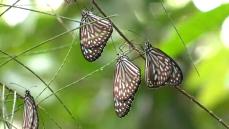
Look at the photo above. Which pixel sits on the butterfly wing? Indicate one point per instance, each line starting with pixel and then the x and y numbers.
pixel 176 76
pixel 123 107
pixel 158 67
pixel 126 83
pixel 127 79
pixel 96 33
pixel 30 113
pixel 91 54
pixel 35 118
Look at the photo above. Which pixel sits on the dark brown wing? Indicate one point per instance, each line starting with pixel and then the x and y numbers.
pixel 176 77
pixel 158 67
pixel 123 107
pixel 126 83
pixel 127 79
pixel 91 54
pixel 96 33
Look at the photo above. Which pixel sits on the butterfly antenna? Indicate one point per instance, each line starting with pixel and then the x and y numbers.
pixel 18 85
pixel 172 23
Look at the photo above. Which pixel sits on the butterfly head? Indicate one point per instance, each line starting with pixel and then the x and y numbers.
pixel 85 13
pixel 27 93
pixel 147 46
pixel 122 57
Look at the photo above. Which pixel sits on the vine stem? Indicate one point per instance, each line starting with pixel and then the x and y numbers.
pixel 202 106
pixel 186 94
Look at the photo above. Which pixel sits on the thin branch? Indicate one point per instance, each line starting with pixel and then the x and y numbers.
pixel 203 107
pixel 14 58
pixel 3 105
pixel 66 56
pixel 79 80
pixel 8 123
pixel 42 51
pixel 179 89
pixel 50 39
pixel 59 69
pixel 9 8
pixel 37 11
pixel 24 66
pixel 46 112
pixel 13 109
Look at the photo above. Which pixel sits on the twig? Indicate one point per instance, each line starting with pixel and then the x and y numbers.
pixel 3 104
pixel 24 66
pixel 50 39
pixel 178 88
pixel 9 7
pixel 14 104
pixel 203 107
pixel 77 81
pixel 37 11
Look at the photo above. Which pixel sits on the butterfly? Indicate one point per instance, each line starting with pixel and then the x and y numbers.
pixel 93 36
pixel 160 69
pixel 31 120
pixel 127 79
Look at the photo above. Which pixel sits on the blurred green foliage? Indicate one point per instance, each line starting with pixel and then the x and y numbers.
pixel 91 99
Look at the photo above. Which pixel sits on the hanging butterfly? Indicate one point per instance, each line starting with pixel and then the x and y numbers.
pixel 31 120
pixel 160 69
pixel 127 79
pixel 94 36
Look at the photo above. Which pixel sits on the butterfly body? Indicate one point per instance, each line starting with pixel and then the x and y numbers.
pixel 160 69
pixel 94 36
pixel 126 83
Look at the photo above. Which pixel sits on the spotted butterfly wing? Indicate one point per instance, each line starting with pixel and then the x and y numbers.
pixel 176 77
pixel 122 107
pixel 94 34
pixel 126 82
pixel 161 69
pixel 31 120
pixel 91 54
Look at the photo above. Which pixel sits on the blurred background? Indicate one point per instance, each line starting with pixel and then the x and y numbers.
pixel 202 24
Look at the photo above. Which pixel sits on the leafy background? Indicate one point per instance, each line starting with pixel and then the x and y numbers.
pixel 90 99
